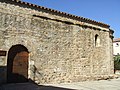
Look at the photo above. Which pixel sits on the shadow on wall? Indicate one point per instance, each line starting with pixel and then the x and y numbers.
pixel 20 78
pixel 3 76
pixel 3 70
pixel 31 85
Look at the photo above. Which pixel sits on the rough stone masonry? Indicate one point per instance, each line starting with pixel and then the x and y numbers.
pixel 59 47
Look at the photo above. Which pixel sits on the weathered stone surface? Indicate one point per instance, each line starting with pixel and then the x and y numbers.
pixel 59 52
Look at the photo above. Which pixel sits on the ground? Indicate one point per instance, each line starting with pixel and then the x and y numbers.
pixel 113 84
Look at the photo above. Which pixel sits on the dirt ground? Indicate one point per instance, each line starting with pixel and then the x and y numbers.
pixel 113 84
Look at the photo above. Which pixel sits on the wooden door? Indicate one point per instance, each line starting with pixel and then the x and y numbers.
pixel 20 67
pixel 17 67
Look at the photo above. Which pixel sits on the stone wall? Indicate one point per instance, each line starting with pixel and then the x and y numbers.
pixel 59 51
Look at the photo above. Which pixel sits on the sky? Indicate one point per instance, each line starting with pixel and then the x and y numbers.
pixel 106 11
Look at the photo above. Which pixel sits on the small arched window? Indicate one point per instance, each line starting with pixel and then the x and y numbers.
pixel 97 40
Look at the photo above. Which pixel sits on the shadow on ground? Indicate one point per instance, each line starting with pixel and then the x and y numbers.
pixel 29 86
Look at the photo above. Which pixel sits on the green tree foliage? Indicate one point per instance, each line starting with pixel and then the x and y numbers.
pixel 117 62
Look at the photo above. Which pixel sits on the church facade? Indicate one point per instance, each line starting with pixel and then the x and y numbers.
pixel 49 46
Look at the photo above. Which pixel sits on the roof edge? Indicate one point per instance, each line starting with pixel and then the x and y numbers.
pixel 116 40
pixel 78 18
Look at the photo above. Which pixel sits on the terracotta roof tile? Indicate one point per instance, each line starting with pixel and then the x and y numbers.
pixel 116 40
pixel 61 13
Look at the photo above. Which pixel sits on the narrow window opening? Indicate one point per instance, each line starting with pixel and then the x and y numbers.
pixel 97 40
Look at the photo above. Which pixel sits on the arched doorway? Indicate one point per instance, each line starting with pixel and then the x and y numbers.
pixel 17 64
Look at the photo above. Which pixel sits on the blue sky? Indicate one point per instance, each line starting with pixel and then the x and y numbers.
pixel 106 11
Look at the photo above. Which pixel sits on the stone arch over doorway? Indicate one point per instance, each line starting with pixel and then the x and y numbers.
pixel 17 64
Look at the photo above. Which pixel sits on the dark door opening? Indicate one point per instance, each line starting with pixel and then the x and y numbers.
pixel 17 64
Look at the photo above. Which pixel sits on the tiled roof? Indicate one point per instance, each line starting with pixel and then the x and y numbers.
pixel 116 40
pixel 58 13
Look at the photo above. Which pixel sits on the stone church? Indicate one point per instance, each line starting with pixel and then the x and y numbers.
pixel 48 46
